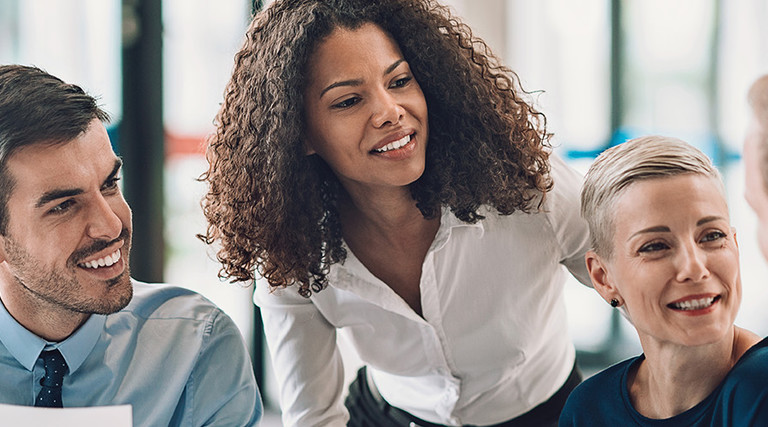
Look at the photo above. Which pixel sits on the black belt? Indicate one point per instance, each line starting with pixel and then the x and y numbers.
pixel 545 413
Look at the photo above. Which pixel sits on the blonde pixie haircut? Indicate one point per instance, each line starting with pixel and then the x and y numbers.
pixel 618 167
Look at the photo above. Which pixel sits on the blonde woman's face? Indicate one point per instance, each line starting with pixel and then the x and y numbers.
pixel 366 114
pixel 675 262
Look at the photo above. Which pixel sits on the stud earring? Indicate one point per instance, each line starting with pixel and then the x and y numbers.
pixel 614 302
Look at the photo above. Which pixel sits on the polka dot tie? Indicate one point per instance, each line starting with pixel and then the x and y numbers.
pixel 55 368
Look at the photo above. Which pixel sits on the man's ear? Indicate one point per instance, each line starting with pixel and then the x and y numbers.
pixel 3 256
pixel 601 278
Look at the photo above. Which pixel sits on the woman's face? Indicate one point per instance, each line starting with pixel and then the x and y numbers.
pixel 366 115
pixel 675 262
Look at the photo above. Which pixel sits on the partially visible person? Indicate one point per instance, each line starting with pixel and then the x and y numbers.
pixel 75 329
pixel 377 161
pixel 664 249
pixel 756 159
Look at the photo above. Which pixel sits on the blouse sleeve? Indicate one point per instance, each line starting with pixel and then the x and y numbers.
pixel 305 358
pixel 571 231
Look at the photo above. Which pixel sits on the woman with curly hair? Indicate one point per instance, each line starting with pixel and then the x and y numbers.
pixel 379 172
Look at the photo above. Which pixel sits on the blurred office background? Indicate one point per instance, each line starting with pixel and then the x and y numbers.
pixel 602 71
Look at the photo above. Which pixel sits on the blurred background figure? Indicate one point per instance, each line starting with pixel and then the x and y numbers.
pixel 756 159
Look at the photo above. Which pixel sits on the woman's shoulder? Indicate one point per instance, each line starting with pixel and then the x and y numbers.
pixel 752 367
pixel 743 398
pixel 599 397
pixel 607 378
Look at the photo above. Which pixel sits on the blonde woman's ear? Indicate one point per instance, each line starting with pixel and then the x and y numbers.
pixel 601 279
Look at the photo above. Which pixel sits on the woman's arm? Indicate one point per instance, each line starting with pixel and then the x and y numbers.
pixel 305 358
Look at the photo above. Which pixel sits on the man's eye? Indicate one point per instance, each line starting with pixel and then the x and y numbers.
pixel 111 183
pixel 62 207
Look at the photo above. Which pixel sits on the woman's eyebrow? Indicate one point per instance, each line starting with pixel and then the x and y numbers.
pixel 358 82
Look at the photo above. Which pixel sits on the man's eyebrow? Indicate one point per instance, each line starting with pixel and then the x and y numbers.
pixel 61 193
pixel 52 195
pixel 358 82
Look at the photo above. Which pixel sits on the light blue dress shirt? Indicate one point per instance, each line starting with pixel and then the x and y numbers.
pixel 171 354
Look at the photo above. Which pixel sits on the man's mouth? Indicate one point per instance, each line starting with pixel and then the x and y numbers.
pixel 101 262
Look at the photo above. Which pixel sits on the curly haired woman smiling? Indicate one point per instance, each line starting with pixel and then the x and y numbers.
pixel 378 157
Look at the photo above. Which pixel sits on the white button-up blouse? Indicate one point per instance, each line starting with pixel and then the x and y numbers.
pixel 492 343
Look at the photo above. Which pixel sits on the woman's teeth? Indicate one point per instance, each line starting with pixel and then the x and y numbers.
pixel 103 262
pixel 696 304
pixel 394 145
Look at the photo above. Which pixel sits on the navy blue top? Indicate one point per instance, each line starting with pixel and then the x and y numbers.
pixel 740 400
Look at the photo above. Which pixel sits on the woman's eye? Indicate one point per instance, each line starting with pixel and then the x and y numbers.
pixel 653 247
pixel 401 82
pixel 347 102
pixel 713 236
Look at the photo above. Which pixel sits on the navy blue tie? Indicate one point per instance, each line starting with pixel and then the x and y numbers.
pixel 55 368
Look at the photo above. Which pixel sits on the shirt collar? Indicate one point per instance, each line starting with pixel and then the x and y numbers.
pixel 449 221
pixel 25 346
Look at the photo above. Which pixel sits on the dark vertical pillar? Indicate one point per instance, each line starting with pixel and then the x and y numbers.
pixel 141 142
pixel 720 154
pixel 617 118
pixel 617 66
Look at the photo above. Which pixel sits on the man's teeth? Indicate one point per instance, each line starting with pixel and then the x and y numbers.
pixel 103 262
pixel 696 304
pixel 394 145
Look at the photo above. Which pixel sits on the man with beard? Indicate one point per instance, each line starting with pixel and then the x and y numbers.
pixel 75 329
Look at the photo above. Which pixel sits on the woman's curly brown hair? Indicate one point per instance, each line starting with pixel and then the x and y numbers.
pixel 273 208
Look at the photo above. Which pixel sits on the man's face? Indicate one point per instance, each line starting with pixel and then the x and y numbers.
pixel 68 238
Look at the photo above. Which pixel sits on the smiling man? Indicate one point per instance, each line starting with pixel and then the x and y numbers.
pixel 75 329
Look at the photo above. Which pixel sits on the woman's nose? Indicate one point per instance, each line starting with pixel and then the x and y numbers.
pixel 387 109
pixel 692 264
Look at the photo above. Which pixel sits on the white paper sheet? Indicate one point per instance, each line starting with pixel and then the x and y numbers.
pixel 30 416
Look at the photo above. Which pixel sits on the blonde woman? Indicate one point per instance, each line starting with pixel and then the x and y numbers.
pixel 664 250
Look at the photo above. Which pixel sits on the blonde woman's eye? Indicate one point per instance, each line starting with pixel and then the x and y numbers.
pixel 713 236
pixel 653 247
